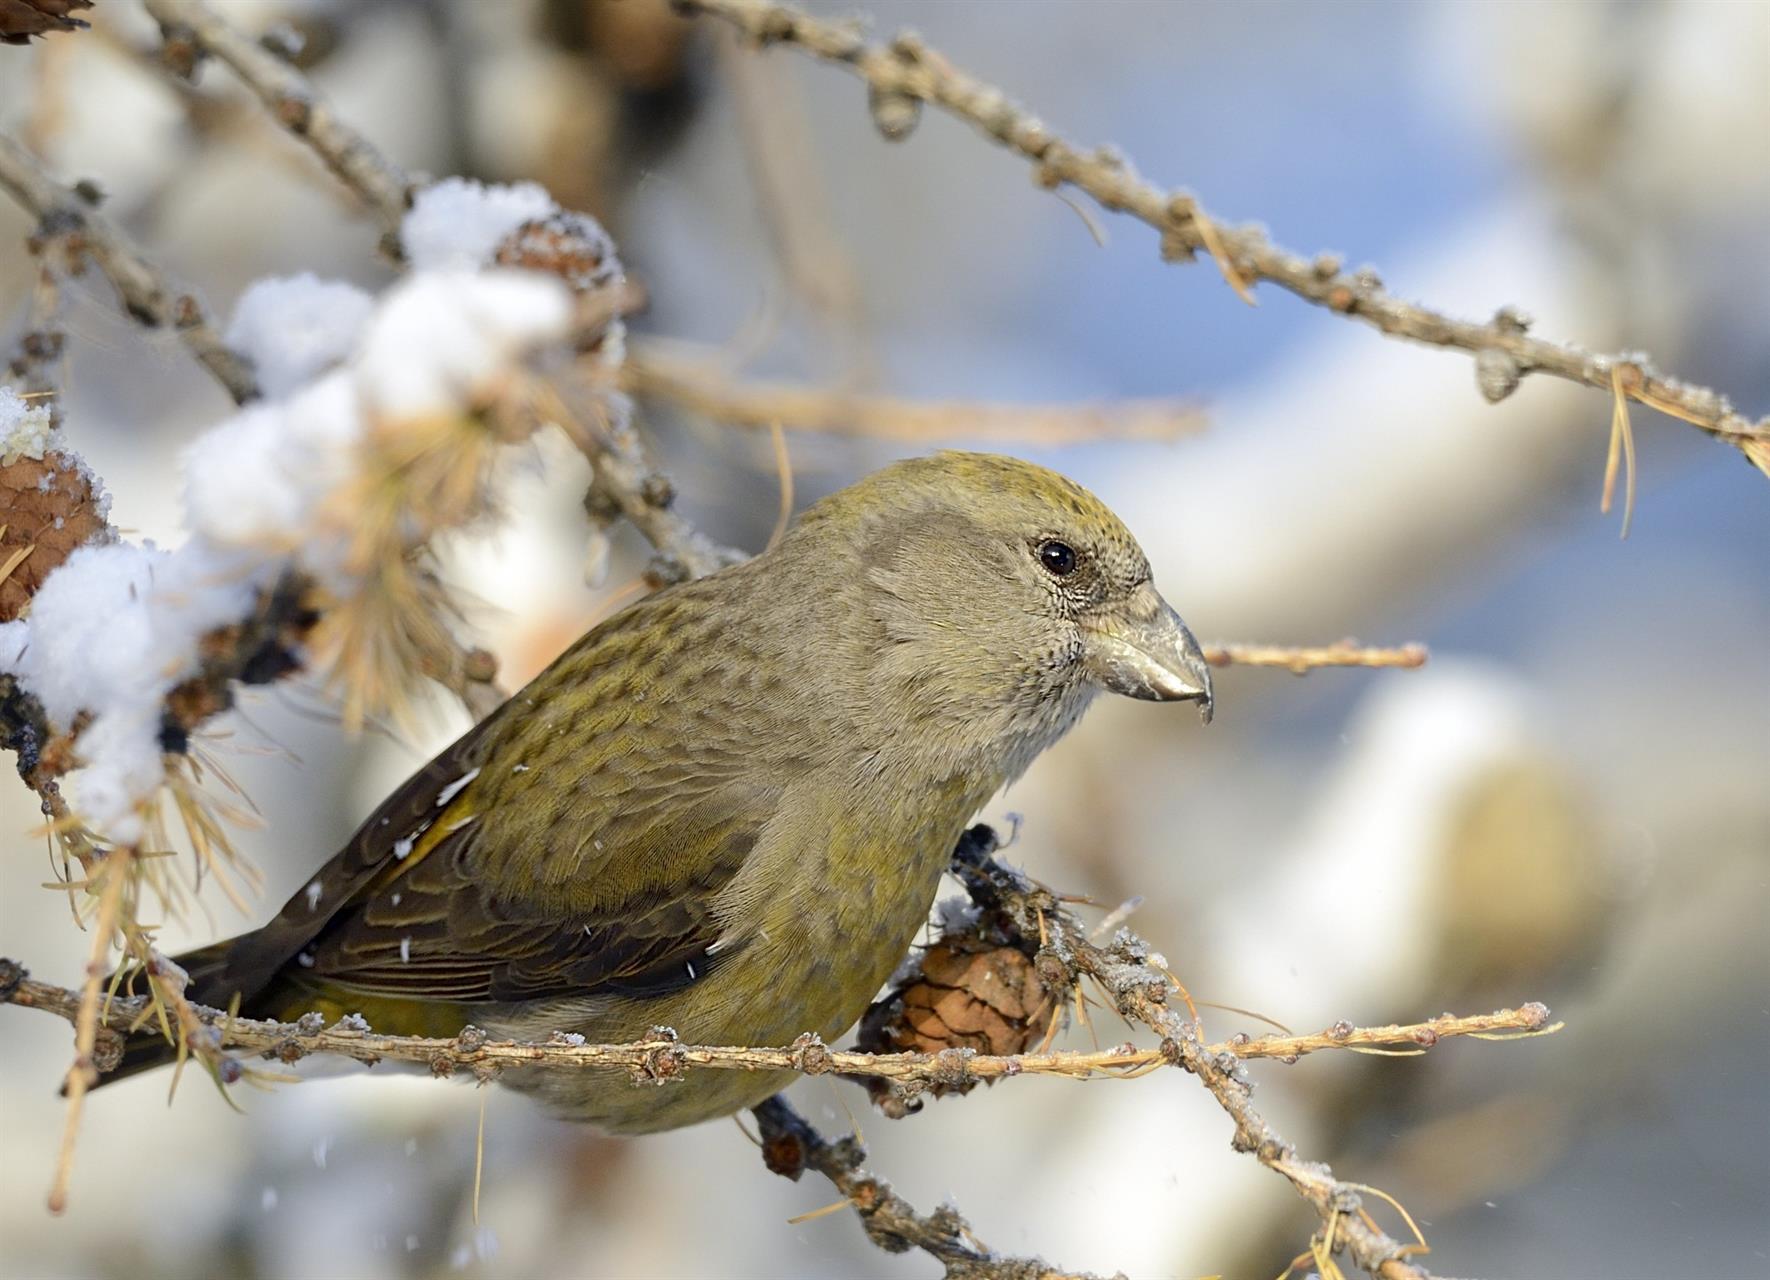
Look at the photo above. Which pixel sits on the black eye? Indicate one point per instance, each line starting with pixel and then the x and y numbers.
pixel 1059 558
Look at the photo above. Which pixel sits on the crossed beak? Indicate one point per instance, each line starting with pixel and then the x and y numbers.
pixel 1143 650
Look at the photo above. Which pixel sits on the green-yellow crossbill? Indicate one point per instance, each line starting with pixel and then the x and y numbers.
pixel 726 809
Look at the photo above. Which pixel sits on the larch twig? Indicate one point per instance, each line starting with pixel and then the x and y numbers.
pixel 144 290
pixel 192 30
pixel 664 1057
pixel 698 385
pixel 1142 993
pixel 906 72
pixel 1302 659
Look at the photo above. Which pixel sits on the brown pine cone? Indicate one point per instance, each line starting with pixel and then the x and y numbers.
pixel 575 248
pixel 50 505
pixel 971 990
pixel 22 19
pixel 569 245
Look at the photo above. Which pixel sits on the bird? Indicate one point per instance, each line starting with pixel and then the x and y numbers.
pixel 726 809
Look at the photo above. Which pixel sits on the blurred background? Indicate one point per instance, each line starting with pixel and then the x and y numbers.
pixel 1569 804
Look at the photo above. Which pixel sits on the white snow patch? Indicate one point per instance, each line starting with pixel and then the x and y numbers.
pixel 261 479
pixel 459 222
pixel 111 631
pixel 454 788
pixel 296 327
pixel 440 338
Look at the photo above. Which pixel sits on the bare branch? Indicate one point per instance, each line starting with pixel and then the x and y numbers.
pixel 701 387
pixel 1141 992
pixel 664 1057
pixel 624 483
pixel 906 72
pixel 1300 660
pixel 790 1145
pixel 143 289
pixel 192 30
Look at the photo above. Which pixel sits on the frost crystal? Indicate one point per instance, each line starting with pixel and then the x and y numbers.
pixel 25 428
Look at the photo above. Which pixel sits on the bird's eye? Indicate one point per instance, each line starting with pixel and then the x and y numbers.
pixel 1059 558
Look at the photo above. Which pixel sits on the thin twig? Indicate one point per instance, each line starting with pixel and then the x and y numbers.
pixel 624 482
pixel 145 291
pixel 664 1057
pixel 1300 660
pixel 908 70
pixel 791 1145
pixel 791 195
pixel 1140 992
pixel 700 386
pixel 34 369
pixel 87 1016
pixel 192 30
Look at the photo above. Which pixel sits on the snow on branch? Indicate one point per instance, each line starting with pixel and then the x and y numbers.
pixel 330 483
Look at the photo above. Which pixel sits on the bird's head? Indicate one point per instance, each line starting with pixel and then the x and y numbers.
pixel 996 597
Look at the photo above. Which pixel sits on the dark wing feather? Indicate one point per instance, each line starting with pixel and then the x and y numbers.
pixel 575 843
pixel 253 960
pixel 438 933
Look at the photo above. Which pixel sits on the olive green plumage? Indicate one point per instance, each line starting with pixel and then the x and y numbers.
pixel 725 810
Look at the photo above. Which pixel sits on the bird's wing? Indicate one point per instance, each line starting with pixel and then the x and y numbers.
pixel 449 928
pixel 385 840
pixel 577 842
